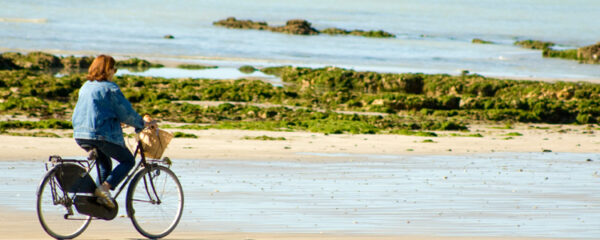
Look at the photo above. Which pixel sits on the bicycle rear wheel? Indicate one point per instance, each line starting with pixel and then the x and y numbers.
pixel 155 201
pixel 56 211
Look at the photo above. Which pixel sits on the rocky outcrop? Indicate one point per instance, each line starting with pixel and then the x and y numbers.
pixel 33 60
pixel 7 64
pixel 297 27
pixel 534 44
pixel 137 63
pixel 74 63
pixel 45 61
pixel 231 22
pixel 589 54
pixel 480 41
pixel 358 32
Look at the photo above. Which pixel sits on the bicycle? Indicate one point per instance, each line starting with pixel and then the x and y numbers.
pixel 154 201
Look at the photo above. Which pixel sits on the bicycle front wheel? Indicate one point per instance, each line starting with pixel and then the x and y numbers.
pixel 56 211
pixel 155 201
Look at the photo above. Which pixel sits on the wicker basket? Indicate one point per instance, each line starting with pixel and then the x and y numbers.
pixel 154 142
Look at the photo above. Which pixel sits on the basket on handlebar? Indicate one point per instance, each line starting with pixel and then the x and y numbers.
pixel 154 142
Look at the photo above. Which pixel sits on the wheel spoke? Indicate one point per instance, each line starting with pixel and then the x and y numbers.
pixel 55 210
pixel 152 218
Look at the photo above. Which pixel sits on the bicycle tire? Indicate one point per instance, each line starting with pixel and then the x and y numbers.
pixel 53 216
pixel 155 219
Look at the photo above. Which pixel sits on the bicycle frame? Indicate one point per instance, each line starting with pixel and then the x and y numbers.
pixel 89 164
pixel 145 164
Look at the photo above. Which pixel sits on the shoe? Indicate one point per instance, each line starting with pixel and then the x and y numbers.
pixel 104 198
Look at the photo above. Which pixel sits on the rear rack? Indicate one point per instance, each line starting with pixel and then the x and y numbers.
pixel 55 160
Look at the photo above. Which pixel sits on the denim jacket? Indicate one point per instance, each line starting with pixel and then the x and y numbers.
pixel 100 110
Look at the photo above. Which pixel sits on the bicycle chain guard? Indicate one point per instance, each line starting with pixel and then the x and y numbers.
pixel 89 205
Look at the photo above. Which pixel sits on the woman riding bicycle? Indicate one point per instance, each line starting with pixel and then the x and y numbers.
pixel 99 112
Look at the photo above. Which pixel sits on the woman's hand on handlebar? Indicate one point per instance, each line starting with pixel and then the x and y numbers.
pixel 149 122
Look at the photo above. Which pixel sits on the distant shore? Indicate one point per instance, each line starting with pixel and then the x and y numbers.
pixel 171 61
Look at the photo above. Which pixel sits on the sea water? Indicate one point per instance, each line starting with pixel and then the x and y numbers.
pixel 433 36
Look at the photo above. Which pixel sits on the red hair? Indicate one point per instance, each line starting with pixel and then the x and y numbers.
pixel 101 68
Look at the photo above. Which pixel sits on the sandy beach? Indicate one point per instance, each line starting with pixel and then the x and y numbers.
pixel 230 144
pixel 229 152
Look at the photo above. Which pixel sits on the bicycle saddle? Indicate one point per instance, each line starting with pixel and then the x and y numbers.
pixel 92 151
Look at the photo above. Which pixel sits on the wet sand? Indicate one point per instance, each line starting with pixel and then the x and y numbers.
pixel 482 196
pixel 316 186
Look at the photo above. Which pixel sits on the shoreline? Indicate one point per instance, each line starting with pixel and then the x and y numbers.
pixel 306 146
pixel 170 61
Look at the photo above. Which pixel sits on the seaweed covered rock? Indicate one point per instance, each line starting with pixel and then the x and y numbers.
pixel 339 79
pixel 296 26
pixel 335 31
pixel 570 54
pixel 7 64
pixel 137 63
pixel 247 69
pixel 534 44
pixel 33 60
pixel 358 32
pixel 74 63
pixel 372 33
pixel 480 41
pixel 589 54
pixel 232 22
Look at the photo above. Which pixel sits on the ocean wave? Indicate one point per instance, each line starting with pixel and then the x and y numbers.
pixel 25 20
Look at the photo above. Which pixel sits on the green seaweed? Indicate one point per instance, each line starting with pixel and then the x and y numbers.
pixel 184 135
pixel 481 41
pixel 264 138
pixel 247 69
pixel 195 66
pixel 534 44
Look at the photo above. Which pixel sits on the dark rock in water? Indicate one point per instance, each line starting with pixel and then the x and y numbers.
pixel 196 66
pixel 480 41
pixel 546 150
pixel 534 44
pixel 296 26
pixel 137 63
pixel 231 22
pixel 33 60
pixel 335 31
pixel 372 34
pixel 589 54
pixel 169 36
pixel 358 32
pixel 72 62
pixel 247 69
